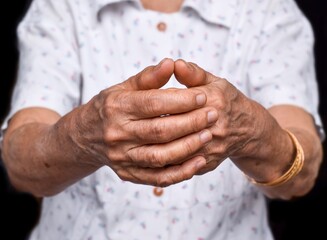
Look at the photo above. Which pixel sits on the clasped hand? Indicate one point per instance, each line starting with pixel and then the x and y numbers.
pixel 156 136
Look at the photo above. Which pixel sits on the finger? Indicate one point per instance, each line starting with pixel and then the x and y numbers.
pixel 210 166
pixel 162 177
pixel 170 153
pixel 168 128
pixel 153 77
pixel 191 75
pixel 157 102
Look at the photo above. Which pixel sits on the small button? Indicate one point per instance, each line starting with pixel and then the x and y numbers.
pixel 161 26
pixel 158 191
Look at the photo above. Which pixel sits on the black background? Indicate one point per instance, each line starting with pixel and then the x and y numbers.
pixel 304 218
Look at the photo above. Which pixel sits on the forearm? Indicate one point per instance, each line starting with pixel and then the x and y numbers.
pixel 41 158
pixel 304 181
pixel 274 152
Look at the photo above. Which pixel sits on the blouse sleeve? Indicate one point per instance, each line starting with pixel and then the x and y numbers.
pixel 48 71
pixel 282 69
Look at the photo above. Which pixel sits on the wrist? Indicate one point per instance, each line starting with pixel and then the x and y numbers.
pixel 292 170
pixel 269 154
pixel 74 137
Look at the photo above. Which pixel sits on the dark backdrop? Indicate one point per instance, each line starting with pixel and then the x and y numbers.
pixel 299 219
pixel 18 211
pixel 305 218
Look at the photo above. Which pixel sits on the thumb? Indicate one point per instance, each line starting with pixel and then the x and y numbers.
pixel 152 77
pixel 190 74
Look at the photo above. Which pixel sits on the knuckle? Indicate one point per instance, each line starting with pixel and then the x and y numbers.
pixel 164 181
pixel 111 136
pixel 171 178
pixel 220 151
pixel 107 107
pixel 184 175
pixel 143 76
pixel 152 102
pixel 196 123
pixel 103 94
pixel 109 99
pixel 158 131
pixel 188 147
pixel 136 157
pixel 157 159
pixel 151 106
pixel 187 176
pixel 123 175
pixel 104 112
pixel 147 157
pixel 115 133
pixel 115 157
pixel 224 132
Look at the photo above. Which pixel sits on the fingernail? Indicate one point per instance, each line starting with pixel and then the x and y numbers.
pixel 212 116
pixel 201 99
pixel 205 136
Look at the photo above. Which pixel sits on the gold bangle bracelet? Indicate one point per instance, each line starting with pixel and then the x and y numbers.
pixel 294 169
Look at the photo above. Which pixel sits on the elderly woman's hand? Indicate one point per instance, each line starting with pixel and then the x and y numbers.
pixel 261 142
pixel 145 134
pixel 242 127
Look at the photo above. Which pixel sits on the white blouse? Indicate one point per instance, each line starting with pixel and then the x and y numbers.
pixel 72 49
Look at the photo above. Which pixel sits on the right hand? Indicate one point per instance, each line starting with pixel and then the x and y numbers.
pixel 146 134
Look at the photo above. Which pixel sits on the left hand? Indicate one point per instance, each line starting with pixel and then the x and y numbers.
pixel 240 120
pixel 253 137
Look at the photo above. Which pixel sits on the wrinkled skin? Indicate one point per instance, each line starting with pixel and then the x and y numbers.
pixel 159 137
pixel 145 134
